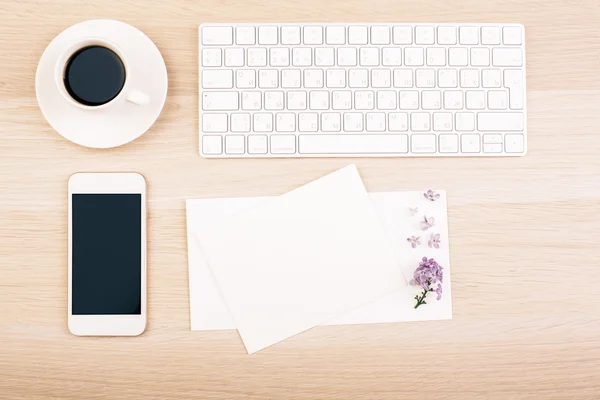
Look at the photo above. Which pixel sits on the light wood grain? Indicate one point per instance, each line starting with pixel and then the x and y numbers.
pixel 525 232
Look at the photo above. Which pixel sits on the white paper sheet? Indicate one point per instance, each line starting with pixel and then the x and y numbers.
pixel 208 310
pixel 300 259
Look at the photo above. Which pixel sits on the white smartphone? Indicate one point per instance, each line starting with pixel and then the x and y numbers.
pixel 107 254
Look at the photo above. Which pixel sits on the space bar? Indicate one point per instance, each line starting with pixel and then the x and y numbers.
pixel 352 144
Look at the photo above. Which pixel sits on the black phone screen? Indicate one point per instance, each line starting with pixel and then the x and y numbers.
pixel 107 254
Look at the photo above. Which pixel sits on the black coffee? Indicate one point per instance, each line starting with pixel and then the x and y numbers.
pixel 94 75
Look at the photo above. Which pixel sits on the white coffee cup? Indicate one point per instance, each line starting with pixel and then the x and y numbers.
pixel 127 93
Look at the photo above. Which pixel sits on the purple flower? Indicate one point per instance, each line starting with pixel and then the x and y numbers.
pixel 431 195
pixel 413 211
pixel 414 241
pixel 427 223
pixel 434 240
pixel 428 274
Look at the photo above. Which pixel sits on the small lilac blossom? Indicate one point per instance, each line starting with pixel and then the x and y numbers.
pixel 434 240
pixel 414 241
pixel 427 223
pixel 413 211
pixel 431 195
pixel 428 274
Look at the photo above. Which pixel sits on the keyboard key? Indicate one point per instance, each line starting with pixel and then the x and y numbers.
pixel 369 56
pixel 409 100
pixel 386 100
pixel 513 80
pixel 331 122
pixel 431 99
pixel 402 34
pixel 403 78
pixel 217 79
pixel 364 100
pixel 357 35
pixel 514 143
pixel 290 35
pixel 469 78
pixel 470 143
pixel 301 57
pixel 296 100
pixel 290 78
pixel 335 35
pixel 422 143
pixel 268 79
pixel 492 138
pixel 251 101
pixel 500 121
pixel 464 121
pixel 507 57
pixel 220 101
pixel 475 100
pixel 468 35
pixel 267 35
pixel 234 57
pixel 447 78
pixel 214 123
pixel 442 121
pixel 240 122
pixel 211 57
pixel 381 78
pixel 353 122
pixel 263 122
pixel 424 35
pixel 283 144
pixel 353 144
pixel 280 57
pixel 245 79
pixel 257 57
pixel 346 57
pixel 480 57
pixel 217 35
pixel 425 78
pixel 235 144
pixel 380 34
pixel 285 122
pixel 413 56
pixel 308 122
pixel 491 78
pixel 453 99
pixel 257 144
pixel 319 100
pixel 490 35
pixel 448 143
pixel 336 78
pixel 342 100
pixel 212 144
pixel 313 35
pixel 446 35
pixel 492 148
pixel 313 78
pixel 497 100
pixel 436 56
pixel 274 100
pixel 376 122
pixel 391 56
pixel 245 35
pixel 420 122
pixel 398 122
pixel 358 78
pixel 457 57
pixel 511 35
pixel 324 57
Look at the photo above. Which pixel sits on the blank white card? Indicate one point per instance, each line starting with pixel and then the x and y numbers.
pixel 300 259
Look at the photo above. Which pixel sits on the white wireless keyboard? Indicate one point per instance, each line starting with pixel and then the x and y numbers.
pixel 366 90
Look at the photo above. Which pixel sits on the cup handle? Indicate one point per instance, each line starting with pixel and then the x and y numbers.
pixel 137 97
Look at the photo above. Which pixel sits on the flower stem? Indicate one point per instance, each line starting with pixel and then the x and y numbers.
pixel 421 299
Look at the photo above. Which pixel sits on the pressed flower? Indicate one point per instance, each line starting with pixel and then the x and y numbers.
pixel 431 195
pixel 414 241
pixel 427 223
pixel 413 211
pixel 427 274
pixel 434 240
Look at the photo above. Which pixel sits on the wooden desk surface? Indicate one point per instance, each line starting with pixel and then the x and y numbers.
pixel 525 232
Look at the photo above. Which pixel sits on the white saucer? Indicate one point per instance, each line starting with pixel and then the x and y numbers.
pixel 120 123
